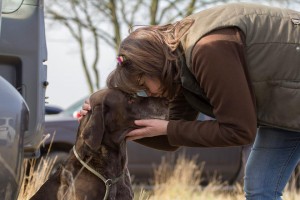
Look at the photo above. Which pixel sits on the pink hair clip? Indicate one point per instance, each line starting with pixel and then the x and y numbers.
pixel 121 59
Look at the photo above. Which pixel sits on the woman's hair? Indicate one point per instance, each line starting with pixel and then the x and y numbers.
pixel 150 51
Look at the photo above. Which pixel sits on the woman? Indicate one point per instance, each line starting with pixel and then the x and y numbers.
pixel 238 63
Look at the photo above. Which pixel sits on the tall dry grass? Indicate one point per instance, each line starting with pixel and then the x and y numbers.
pixel 171 182
pixel 37 173
pixel 181 182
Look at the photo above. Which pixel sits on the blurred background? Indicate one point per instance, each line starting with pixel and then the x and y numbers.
pixel 83 37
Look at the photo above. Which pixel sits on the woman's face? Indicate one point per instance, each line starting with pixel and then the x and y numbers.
pixel 151 85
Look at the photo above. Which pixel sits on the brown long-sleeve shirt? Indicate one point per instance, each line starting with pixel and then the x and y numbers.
pixel 218 63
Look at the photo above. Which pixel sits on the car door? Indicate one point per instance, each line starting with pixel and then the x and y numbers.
pixel 22 89
pixel 22 56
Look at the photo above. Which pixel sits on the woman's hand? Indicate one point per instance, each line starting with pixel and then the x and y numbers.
pixel 85 108
pixel 149 128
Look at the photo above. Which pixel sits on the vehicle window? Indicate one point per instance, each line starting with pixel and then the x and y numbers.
pixel 9 6
pixel 75 107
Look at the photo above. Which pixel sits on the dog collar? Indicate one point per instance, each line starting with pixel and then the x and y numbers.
pixel 108 182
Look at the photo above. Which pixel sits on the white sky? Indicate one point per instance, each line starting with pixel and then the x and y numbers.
pixel 65 74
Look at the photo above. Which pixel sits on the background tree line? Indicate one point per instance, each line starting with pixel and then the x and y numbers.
pixel 92 23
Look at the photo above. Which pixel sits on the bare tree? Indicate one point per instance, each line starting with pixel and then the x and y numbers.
pixel 92 22
pixel 77 17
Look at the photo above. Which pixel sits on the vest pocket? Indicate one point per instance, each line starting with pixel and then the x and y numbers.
pixel 278 103
pixel 289 84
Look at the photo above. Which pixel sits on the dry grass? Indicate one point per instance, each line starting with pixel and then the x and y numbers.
pixel 181 181
pixel 171 182
pixel 38 174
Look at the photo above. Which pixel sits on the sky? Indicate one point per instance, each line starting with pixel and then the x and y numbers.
pixel 67 82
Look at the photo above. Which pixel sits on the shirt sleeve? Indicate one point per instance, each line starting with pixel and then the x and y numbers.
pixel 218 63
pixel 180 109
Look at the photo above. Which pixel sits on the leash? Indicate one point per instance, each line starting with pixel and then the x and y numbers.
pixel 108 182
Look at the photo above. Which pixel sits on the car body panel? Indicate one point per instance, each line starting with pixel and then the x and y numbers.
pixel 63 128
pixel 22 54
pixel 14 122
pixel 22 88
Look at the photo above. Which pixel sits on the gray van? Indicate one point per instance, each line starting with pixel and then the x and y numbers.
pixel 22 88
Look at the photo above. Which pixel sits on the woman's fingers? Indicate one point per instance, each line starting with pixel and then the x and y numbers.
pixel 86 105
pixel 145 122
pixel 149 128
pixel 85 108
pixel 135 134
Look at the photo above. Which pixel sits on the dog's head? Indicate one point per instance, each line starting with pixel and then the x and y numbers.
pixel 112 115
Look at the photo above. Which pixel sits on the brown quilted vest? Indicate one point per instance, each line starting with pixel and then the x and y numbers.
pixel 272 54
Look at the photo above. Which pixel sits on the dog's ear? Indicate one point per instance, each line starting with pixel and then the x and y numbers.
pixel 95 127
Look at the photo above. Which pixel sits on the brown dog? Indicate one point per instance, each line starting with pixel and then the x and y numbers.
pixel 97 165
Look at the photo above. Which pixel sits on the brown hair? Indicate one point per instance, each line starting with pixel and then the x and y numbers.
pixel 151 51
